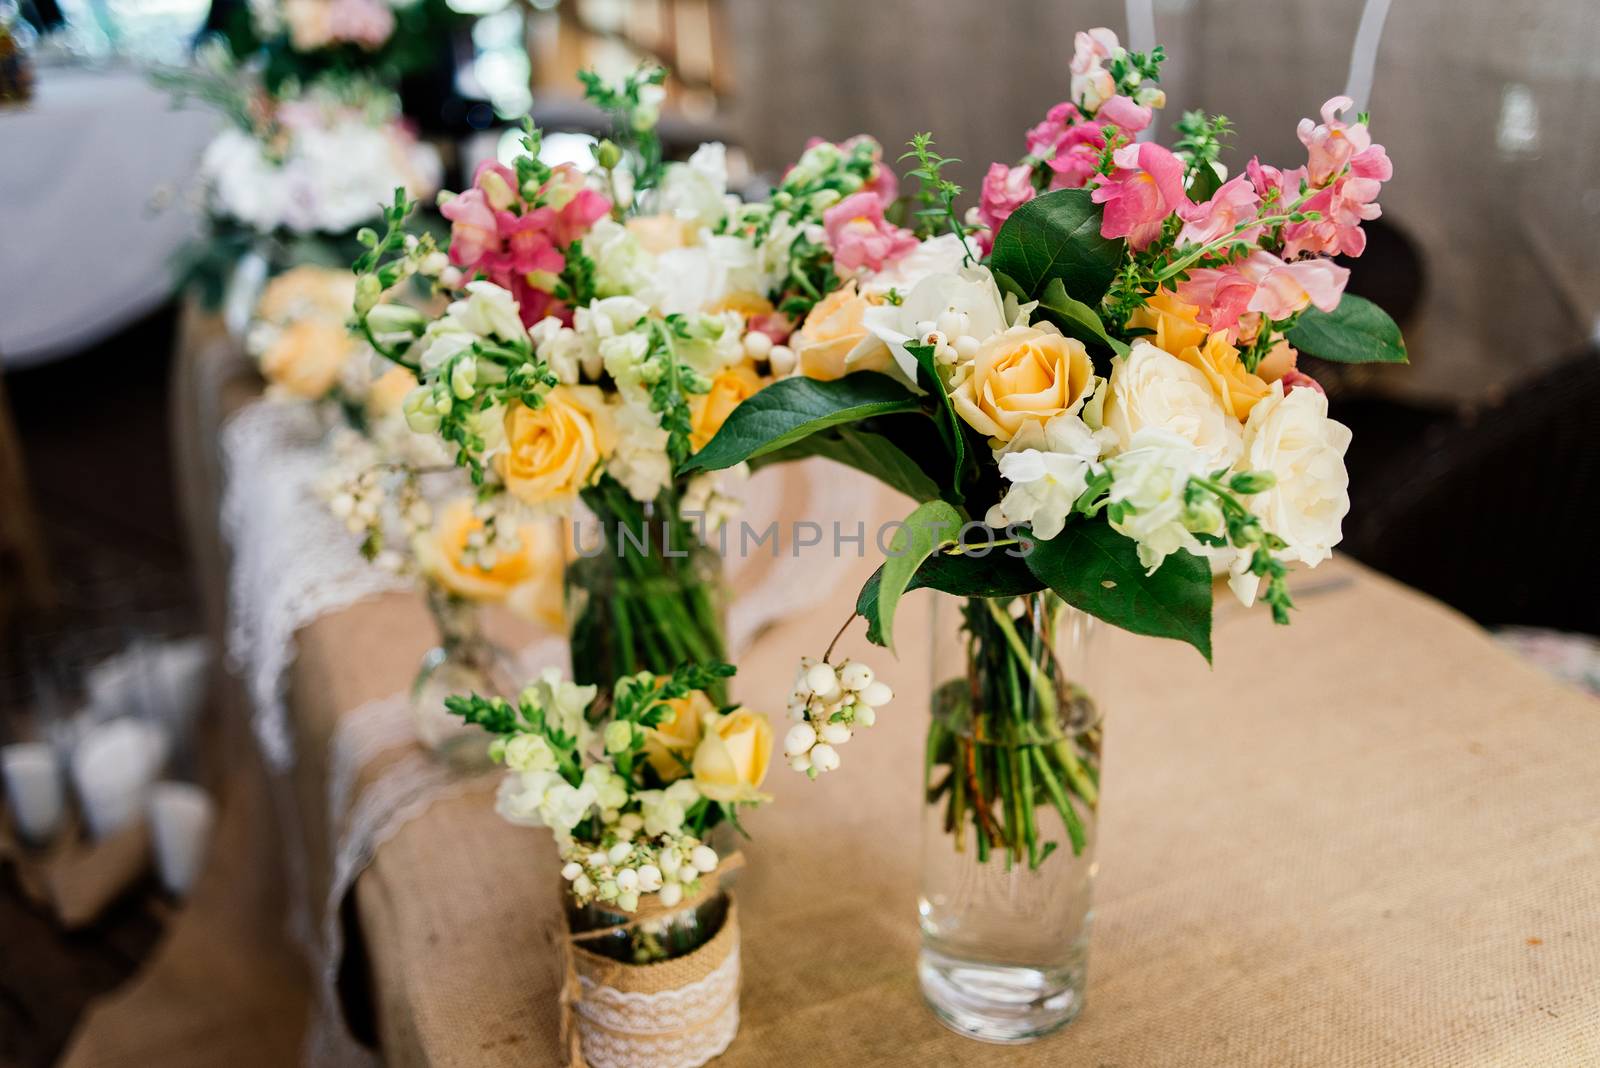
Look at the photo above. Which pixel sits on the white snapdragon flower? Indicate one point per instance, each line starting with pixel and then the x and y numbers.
pixel 488 311
pixel 569 356
pixel 943 254
pixel 1048 466
pixel 443 339
pixel 714 496
pixel 528 752
pixel 610 789
pixel 564 703
pixel 1152 389
pixel 639 461
pixel 1290 436
pixel 969 295
pixel 665 810
pixel 521 796
pixel 565 806
pixel 624 357
pixel 694 191
pixel 1150 476
pixel 621 264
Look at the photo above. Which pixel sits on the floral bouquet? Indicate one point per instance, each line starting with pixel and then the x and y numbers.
pixel 298 42
pixel 633 785
pixel 600 329
pixel 1090 384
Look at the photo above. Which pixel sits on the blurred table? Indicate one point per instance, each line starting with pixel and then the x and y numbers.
pixel 1371 838
pixel 96 174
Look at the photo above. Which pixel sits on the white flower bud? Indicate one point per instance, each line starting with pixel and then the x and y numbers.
pixel 950 323
pixel 824 757
pixel 800 762
pixel 649 878
pixel 627 900
pixel 704 858
pixel 597 860
pixel 583 886
pixel 835 733
pixel 619 852
pixel 866 715
pixel 757 345
pixel 800 739
pixel 877 695
pixel 670 863
pixel 671 894
pixel 782 359
pixel 572 870
pixel 627 879
pixel 824 682
pixel 855 676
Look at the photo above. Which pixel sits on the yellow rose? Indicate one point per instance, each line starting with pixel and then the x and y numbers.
pixel 731 760
pixel 660 233
pixel 1279 361
pixel 1175 322
pixel 1236 388
pixel 1025 374
pixel 554 450
pixel 834 340
pixel 527 578
pixel 746 303
pixel 670 744
pixel 731 387
pixel 388 391
pixel 308 291
pixel 306 357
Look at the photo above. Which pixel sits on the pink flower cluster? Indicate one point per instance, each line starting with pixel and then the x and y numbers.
pixel 367 23
pixel 884 181
pixel 520 244
pixel 1264 284
pixel 859 236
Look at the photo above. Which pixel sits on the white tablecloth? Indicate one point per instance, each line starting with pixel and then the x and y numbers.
pixel 83 248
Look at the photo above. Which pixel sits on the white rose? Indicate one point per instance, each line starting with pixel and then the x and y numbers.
pixel 971 291
pixel 1048 466
pixel 1290 436
pixel 1153 389
pixel 1149 477
pixel 564 704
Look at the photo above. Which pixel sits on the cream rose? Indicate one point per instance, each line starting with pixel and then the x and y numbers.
pixel 1027 374
pixel 1152 388
pixel 306 357
pixel 834 339
pixel 731 387
pixel 553 451
pixel 731 760
pixel 1237 390
pixel 670 745
pixel 526 575
pixel 1290 436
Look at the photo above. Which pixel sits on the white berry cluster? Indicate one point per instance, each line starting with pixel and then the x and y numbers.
pixel 759 347
pixel 667 865
pixel 828 704
pixel 951 337
pixel 380 501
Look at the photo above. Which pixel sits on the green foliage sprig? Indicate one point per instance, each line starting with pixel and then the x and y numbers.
pixel 936 193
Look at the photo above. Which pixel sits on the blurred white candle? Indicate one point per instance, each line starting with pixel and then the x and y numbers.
pixel 33 789
pixel 112 770
pixel 181 815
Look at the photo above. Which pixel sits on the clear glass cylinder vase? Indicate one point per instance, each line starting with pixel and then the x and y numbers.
pixel 1011 791
pixel 465 661
pixel 644 593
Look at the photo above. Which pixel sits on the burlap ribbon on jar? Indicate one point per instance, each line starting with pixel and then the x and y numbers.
pixel 680 1011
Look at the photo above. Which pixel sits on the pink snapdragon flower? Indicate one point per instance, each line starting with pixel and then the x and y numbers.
pixel 1294 379
pixel 1092 84
pixel 1145 188
pixel 367 23
pixel 1005 189
pixel 1261 282
pixel 859 236
pixel 577 207
pixel 883 180
pixel 1070 145
pixel 1264 178
pixel 1333 144
pixel 1342 207
pixel 1234 203
pixel 1124 114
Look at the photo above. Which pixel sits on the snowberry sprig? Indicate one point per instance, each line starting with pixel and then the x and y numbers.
pixel 828 704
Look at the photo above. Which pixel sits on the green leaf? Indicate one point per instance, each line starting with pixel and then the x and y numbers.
pixel 934 523
pixel 995 574
pixel 1057 235
pixel 789 410
pixel 1207 180
pixel 950 424
pixel 1097 570
pixel 1357 331
pixel 875 454
pixel 1077 319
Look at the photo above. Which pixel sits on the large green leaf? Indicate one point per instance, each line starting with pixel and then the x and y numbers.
pixel 1357 331
pixel 1077 319
pixel 876 454
pixel 994 574
pixel 1097 570
pixel 934 523
pixel 1057 235
pixel 788 410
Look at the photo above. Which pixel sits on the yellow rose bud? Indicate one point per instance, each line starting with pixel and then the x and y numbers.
pixel 527 579
pixel 730 388
pixel 1236 388
pixel 731 760
pixel 1174 322
pixel 670 744
pixel 834 340
pixel 1025 374
pixel 555 450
